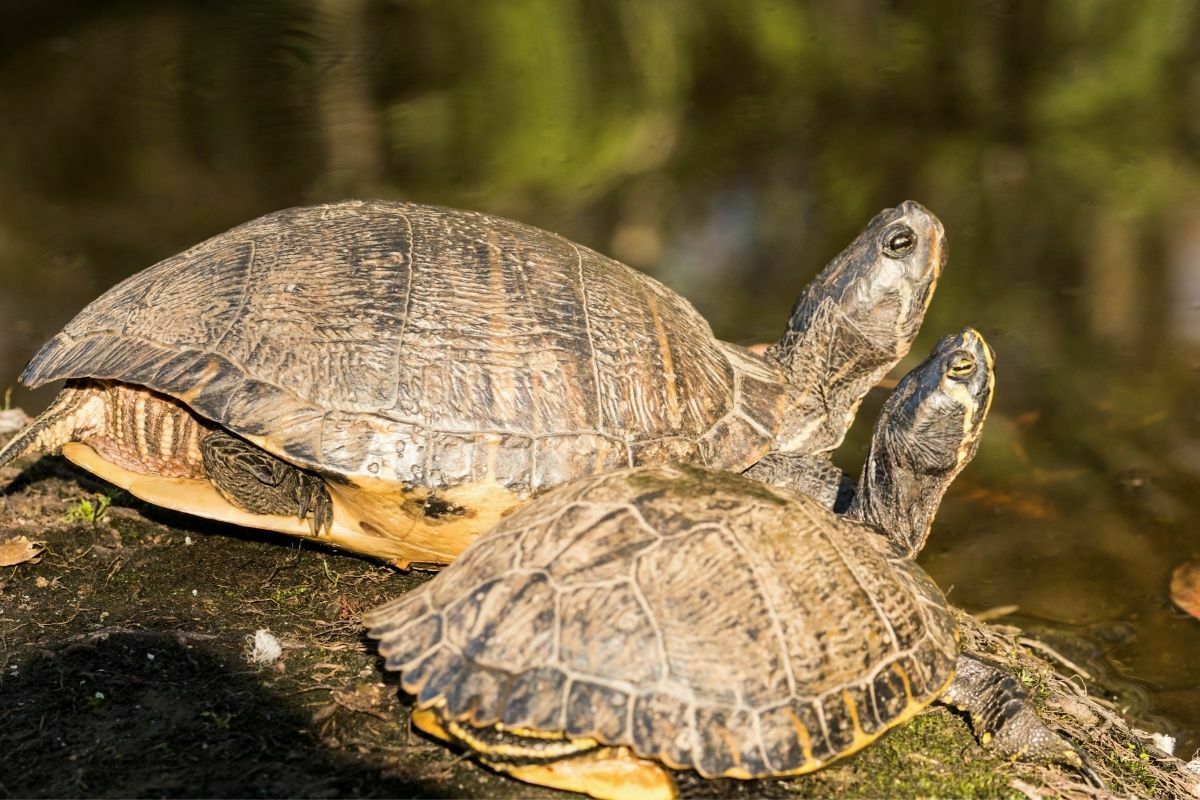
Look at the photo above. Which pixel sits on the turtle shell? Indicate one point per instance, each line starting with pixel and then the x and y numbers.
pixel 426 346
pixel 700 618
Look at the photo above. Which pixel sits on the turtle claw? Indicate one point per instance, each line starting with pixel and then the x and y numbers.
pixel 323 511
pixel 313 499
pixel 256 481
pixel 1073 757
pixel 1005 720
pixel 305 499
pixel 1090 774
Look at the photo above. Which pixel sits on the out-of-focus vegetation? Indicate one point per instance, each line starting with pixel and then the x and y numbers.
pixel 728 147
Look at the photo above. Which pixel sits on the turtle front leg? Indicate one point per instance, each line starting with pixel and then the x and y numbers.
pixel 1004 719
pixel 256 481
pixel 815 476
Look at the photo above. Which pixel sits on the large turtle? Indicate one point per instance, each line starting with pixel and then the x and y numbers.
pixel 682 617
pixel 403 376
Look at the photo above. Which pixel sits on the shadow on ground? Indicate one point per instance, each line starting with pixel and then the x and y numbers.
pixel 126 663
pixel 146 714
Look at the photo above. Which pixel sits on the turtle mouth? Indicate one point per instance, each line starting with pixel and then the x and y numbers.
pixel 933 265
pixel 941 251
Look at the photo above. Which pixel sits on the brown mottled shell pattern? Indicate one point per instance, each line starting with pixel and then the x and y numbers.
pixel 428 346
pixel 700 618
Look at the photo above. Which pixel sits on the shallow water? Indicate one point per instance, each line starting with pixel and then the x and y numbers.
pixel 728 148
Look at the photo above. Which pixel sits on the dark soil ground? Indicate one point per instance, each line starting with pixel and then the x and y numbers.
pixel 126 670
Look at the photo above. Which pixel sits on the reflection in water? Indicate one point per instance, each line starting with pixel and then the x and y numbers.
pixel 728 147
pixel 1185 282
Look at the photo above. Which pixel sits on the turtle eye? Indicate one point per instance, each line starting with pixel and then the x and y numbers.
pixel 899 241
pixel 962 365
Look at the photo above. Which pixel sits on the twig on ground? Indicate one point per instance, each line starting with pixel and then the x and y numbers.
pixel 1046 649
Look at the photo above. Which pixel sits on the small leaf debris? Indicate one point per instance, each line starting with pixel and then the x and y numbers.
pixel 18 550
pixel 1185 587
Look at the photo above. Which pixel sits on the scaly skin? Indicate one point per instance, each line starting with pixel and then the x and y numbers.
pixel 255 480
pixel 854 322
pixel 927 432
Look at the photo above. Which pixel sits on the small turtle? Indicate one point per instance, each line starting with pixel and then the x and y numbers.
pixel 395 378
pixel 673 616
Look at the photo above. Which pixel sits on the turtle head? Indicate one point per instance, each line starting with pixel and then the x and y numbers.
pixel 855 321
pixel 928 430
pixel 883 282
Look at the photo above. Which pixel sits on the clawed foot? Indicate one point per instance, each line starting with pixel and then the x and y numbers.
pixel 256 481
pixel 315 503
pixel 1004 719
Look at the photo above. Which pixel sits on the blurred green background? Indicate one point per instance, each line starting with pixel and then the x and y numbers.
pixel 730 148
